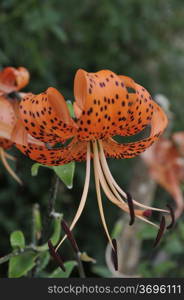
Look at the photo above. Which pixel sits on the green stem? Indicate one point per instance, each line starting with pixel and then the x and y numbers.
pixel 80 266
pixel 16 253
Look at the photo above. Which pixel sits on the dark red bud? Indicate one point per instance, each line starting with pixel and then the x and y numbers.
pixel 147 213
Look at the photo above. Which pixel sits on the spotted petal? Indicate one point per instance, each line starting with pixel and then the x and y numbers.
pixel 75 151
pixel 140 109
pixel 105 106
pixel 127 150
pixel 46 116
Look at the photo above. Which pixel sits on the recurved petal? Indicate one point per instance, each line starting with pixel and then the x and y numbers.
pixel 12 79
pixel 127 150
pixel 75 151
pixel 46 116
pixel 108 104
pixel 99 103
pixel 140 108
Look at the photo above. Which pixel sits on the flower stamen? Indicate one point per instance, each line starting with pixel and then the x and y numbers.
pixel 131 208
pixel 104 183
pixel 99 199
pixel 84 195
pixel 160 232
pixel 56 256
pixel 114 254
pixel 123 193
pixel 172 217
pixel 3 156
pixel 70 236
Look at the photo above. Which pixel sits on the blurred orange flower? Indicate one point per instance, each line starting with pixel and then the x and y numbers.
pixel 165 160
pixel 11 80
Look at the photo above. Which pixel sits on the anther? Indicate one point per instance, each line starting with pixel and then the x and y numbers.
pixel 172 217
pixel 114 254
pixel 160 232
pixel 131 208
pixel 56 256
pixel 70 236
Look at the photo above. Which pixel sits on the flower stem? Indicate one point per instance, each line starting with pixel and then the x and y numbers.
pixel 80 265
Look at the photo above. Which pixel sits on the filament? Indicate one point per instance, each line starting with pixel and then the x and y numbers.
pixel 107 170
pixel 128 208
pixel 99 198
pixel 7 155
pixel 84 195
pixel 7 166
pixel 103 182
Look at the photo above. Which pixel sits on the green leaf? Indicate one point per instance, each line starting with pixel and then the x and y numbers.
pixel 34 169
pixel 58 273
pixel 21 264
pixel 164 267
pixel 117 230
pixel 85 257
pixel 56 233
pixel 174 247
pixel 70 107
pixel 44 258
pixel 66 173
pixel 59 33
pixel 57 230
pixel 102 271
pixel 147 233
pixel 145 269
pixel 17 239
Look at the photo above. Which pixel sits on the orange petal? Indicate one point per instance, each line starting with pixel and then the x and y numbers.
pixel 141 109
pixel 46 116
pixel 105 107
pixel 166 168
pixel 12 129
pixel 12 79
pixel 127 150
pixel 7 121
pixel 7 114
pixel 75 151
pixel 19 135
pixel 178 139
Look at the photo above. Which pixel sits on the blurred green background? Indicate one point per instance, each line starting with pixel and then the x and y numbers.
pixel 139 38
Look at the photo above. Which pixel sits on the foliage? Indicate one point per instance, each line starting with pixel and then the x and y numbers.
pixel 65 172
pixel 33 259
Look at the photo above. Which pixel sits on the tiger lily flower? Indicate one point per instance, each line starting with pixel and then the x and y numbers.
pixel 106 105
pixel 11 80
pixel 165 161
